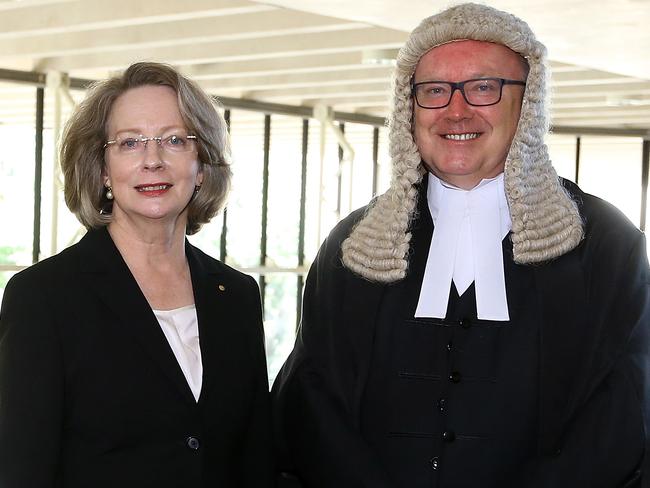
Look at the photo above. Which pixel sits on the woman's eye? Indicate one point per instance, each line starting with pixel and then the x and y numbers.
pixel 129 143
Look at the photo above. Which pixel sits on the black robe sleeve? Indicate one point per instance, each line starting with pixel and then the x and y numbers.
pixel 317 392
pixel 603 422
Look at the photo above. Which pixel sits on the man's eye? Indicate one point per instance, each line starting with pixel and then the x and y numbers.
pixel 486 87
pixel 435 90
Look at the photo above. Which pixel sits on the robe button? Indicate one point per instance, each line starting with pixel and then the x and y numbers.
pixel 465 323
pixel 192 443
pixel 449 436
pixel 441 404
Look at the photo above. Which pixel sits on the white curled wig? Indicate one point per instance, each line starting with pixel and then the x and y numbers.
pixel 545 221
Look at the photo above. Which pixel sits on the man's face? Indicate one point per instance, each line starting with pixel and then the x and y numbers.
pixel 487 132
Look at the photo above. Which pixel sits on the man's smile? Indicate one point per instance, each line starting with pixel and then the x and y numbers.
pixel 462 137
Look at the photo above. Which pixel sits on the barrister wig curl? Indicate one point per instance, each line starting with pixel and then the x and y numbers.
pixel 545 221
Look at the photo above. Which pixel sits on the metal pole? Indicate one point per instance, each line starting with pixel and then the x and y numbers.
pixel 339 183
pixel 265 202
pixel 375 160
pixel 38 172
pixel 577 173
pixel 223 250
pixel 301 231
pixel 645 169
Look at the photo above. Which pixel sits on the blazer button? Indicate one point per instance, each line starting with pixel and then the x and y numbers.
pixel 435 463
pixel 454 377
pixel 192 443
pixel 448 436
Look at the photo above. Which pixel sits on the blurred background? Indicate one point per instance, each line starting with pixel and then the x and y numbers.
pixel 304 86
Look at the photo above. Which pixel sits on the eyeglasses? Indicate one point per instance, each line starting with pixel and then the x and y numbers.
pixel 172 144
pixel 480 92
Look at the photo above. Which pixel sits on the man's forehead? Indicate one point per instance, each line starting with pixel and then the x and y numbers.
pixel 463 52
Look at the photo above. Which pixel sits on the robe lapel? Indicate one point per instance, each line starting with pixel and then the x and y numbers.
pixel 108 276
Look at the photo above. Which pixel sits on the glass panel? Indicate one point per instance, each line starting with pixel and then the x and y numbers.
pixel 356 188
pixel 208 239
pixel 562 151
pixel 316 230
pixel 59 227
pixel 610 168
pixel 285 166
pixel 17 173
pixel 383 159
pixel 279 319
pixel 245 203
pixel 4 278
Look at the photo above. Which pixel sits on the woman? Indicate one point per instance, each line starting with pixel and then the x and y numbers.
pixel 132 358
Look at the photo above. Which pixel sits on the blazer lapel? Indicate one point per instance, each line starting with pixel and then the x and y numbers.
pixel 219 313
pixel 109 277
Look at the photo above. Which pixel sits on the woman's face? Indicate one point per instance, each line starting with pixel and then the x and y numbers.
pixel 152 184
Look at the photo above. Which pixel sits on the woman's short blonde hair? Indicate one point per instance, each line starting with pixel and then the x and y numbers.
pixel 82 146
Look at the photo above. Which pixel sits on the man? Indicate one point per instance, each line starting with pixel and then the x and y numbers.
pixel 482 323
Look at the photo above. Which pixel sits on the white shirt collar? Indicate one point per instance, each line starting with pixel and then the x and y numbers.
pixel 466 247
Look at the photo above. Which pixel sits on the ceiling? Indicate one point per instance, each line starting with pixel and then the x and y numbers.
pixel 308 52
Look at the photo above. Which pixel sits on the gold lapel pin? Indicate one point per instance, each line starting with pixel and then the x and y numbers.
pixel 222 288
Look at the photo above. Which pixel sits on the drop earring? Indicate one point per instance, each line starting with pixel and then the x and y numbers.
pixel 109 192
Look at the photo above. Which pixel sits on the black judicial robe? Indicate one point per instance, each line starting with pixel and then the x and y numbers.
pixel 589 313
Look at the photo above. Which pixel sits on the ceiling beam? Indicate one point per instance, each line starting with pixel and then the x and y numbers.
pixel 275 66
pixel 166 34
pixel 323 92
pixel 81 15
pixel 360 76
pixel 311 44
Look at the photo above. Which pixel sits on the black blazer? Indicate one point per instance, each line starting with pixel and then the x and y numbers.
pixel 92 395
pixel 594 378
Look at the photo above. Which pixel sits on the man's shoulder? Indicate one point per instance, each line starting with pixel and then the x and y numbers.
pixel 600 218
pixel 328 259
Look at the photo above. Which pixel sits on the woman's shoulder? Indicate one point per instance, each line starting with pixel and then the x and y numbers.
pixel 49 269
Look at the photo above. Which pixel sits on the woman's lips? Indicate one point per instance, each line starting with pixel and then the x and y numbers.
pixel 153 189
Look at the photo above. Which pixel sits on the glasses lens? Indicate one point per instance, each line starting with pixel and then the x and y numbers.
pixel 128 145
pixel 433 95
pixel 483 92
pixel 176 143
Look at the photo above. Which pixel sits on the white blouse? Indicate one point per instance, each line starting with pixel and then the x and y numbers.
pixel 181 328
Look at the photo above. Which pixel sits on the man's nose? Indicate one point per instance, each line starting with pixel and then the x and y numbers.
pixel 458 107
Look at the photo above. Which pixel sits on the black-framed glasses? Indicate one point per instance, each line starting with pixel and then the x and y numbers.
pixel 480 92
pixel 135 146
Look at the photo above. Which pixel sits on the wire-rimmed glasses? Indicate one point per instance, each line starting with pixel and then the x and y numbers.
pixel 171 144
